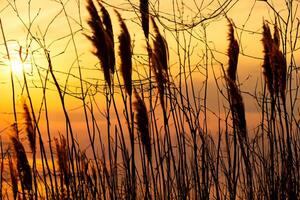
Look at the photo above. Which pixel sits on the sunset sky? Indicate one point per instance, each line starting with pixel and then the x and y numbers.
pixel 50 27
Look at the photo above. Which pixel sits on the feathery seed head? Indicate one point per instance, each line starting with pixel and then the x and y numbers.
pixel 237 108
pixel 125 54
pixel 101 40
pixel 143 124
pixel 109 30
pixel 144 9
pixel 29 127
pixel 233 53
pixel 13 177
pixel 276 37
pixel 23 166
pixel 278 66
pixel 160 48
pixel 267 65
pixel 106 21
pixel 62 158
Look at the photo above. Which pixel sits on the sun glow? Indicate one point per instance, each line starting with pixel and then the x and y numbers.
pixel 17 67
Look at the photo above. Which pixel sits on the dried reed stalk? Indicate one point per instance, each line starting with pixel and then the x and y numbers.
pixel 125 54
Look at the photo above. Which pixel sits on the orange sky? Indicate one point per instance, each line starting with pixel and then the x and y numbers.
pixel 49 14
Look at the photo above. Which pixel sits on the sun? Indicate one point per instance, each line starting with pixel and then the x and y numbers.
pixel 18 60
pixel 17 67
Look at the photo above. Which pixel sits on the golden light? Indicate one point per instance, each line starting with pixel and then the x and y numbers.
pixel 18 60
pixel 17 67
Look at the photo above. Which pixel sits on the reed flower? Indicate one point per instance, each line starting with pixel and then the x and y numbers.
pixel 278 64
pixel 267 69
pixel 144 9
pixel 236 101
pixel 159 75
pixel 237 109
pixel 109 30
pixel 159 57
pixel 102 41
pixel 274 62
pixel 62 157
pixel 13 178
pixel 276 37
pixel 125 54
pixel 29 127
pixel 160 48
pixel 142 122
pixel 23 166
pixel 233 54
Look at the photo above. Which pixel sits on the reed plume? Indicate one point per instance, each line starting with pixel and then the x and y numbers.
pixel 106 21
pixel 109 30
pixel 144 9
pixel 233 53
pixel 276 37
pixel 29 127
pixel 159 75
pixel 274 62
pixel 237 108
pixel 237 105
pixel 13 177
pixel 159 58
pixel 235 97
pixel 104 46
pixel 160 47
pixel 62 160
pixel 94 174
pixel 278 63
pixel 267 69
pixel 142 122
pixel 125 54
pixel 283 74
pixel 23 166
pixel 62 157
